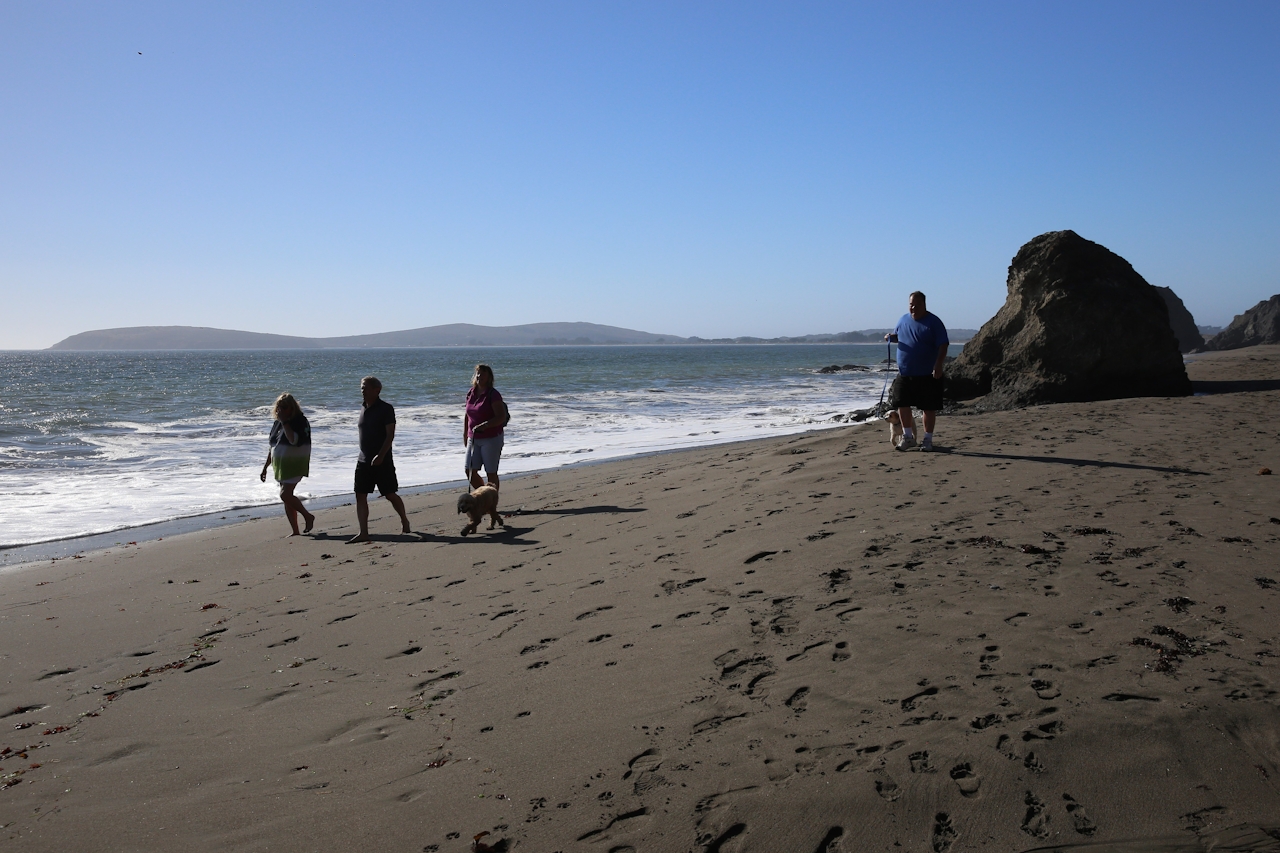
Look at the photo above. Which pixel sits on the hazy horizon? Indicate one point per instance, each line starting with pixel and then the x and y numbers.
pixel 157 336
pixel 715 169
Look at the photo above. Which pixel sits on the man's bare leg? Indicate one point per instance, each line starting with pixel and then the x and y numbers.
pixel 908 422
pixel 395 501
pixel 930 420
pixel 475 480
pixel 493 480
pixel 362 516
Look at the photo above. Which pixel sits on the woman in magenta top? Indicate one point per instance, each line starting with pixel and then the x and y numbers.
pixel 482 425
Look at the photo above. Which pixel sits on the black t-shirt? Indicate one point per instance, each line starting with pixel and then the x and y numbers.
pixel 373 429
pixel 297 423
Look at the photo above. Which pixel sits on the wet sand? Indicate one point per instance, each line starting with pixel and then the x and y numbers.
pixel 1063 631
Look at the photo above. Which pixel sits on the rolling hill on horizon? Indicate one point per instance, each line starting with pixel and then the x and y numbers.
pixel 449 335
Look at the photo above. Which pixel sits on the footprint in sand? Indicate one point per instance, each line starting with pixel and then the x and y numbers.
pixel 985 721
pixel 1035 822
pixel 885 786
pixel 1033 763
pixel 755 689
pixel 627 820
pixel 538 646
pixel 830 842
pixel 1079 818
pixel 644 770
pixel 801 654
pixel 1045 689
pixel 784 624
pixel 645 762
pixel 715 722
pixel 909 704
pixel 798 700
pixel 841 652
pixel 715 844
pixel 920 762
pixel 1045 731
pixel 944 834
pixel 966 780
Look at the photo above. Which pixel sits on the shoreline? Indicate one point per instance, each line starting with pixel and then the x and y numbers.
pixel 95 474
pixel 66 547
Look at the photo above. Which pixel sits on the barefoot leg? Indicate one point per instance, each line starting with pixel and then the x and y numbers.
pixel 362 516
pixel 293 508
pixel 395 501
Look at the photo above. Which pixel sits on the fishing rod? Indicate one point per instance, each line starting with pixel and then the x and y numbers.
pixel 888 353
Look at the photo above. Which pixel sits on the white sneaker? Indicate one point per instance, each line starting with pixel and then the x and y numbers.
pixel 926 445
pixel 906 443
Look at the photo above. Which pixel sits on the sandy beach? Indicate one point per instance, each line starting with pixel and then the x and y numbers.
pixel 1062 631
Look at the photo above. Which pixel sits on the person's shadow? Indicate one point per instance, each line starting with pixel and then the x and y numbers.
pixel 576 510
pixel 508 535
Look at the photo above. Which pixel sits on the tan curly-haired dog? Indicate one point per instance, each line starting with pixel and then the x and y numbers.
pixel 483 501
pixel 895 427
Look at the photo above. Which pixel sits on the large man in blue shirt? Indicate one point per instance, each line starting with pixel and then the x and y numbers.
pixel 922 350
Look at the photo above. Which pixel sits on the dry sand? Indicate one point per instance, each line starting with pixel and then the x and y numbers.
pixel 1061 632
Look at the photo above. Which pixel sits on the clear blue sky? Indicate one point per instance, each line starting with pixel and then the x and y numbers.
pixel 691 168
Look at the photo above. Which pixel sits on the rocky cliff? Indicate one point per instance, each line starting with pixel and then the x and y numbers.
pixel 1180 320
pixel 1259 325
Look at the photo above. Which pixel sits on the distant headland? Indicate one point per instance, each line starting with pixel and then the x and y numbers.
pixel 451 335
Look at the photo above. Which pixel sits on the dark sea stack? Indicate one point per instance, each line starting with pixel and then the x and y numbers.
pixel 1181 321
pixel 1078 324
pixel 1259 325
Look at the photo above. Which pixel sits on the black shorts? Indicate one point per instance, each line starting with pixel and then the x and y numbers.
pixel 383 476
pixel 921 392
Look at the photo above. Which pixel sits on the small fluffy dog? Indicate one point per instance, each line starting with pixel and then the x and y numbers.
pixel 895 428
pixel 483 501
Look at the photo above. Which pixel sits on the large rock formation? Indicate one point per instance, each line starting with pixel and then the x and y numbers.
pixel 1259 325
pixel 1180 320
pixel 1078 324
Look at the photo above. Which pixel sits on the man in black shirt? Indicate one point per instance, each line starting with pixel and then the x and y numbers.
pixel 374 467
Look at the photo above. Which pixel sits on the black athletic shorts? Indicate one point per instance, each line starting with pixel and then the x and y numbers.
pixel 383 476
pixel 921 392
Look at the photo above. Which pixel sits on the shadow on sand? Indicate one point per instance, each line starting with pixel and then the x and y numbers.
pixel 506 535
pixel 580 510
pixel 1234 386
pixel 1081 463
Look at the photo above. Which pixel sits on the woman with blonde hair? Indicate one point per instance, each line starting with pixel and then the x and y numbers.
pixel 290 457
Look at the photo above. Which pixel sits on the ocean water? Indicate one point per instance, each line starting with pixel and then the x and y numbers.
pixel 97 442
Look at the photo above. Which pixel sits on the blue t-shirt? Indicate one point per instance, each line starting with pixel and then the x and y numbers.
pixel 918 344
